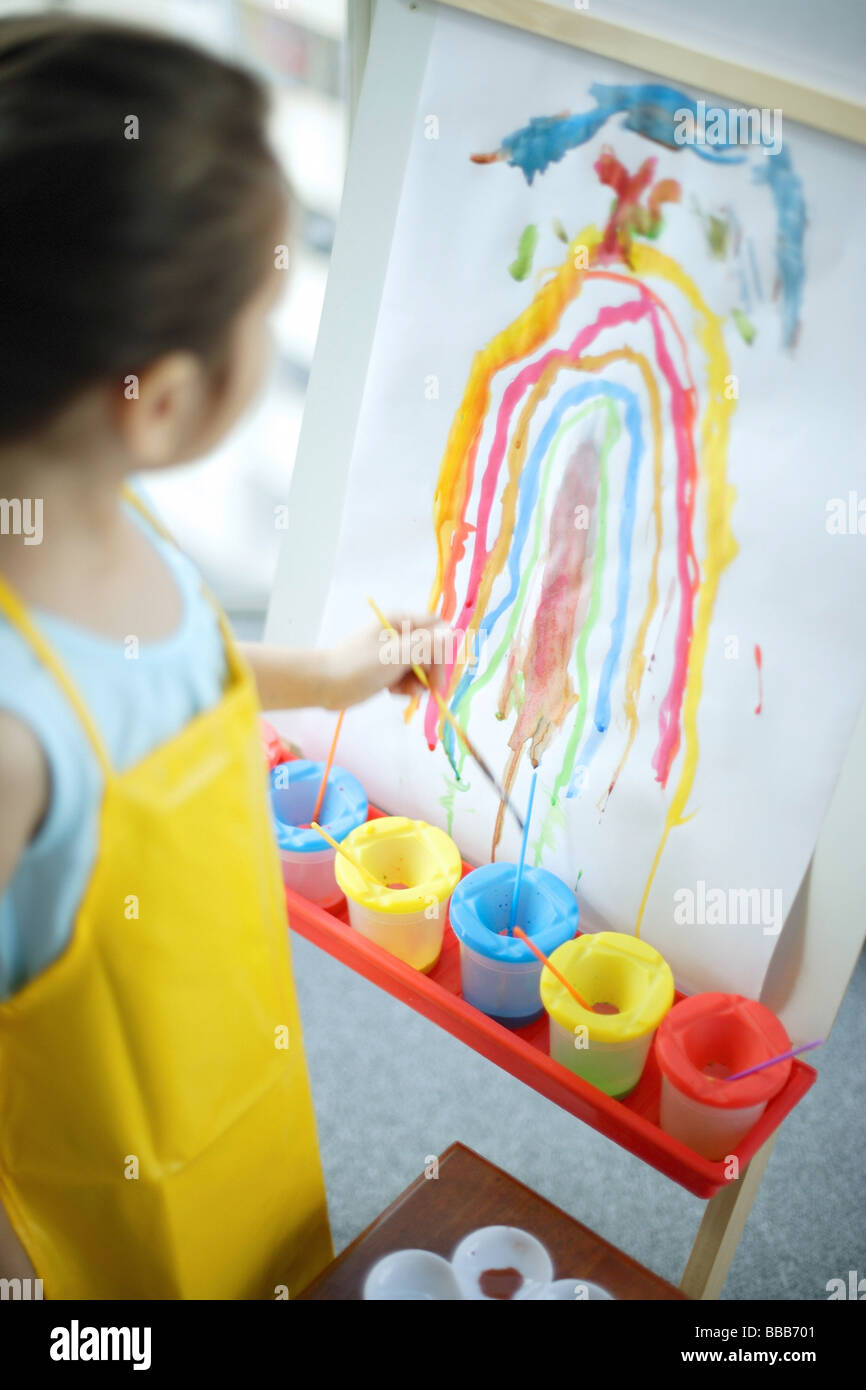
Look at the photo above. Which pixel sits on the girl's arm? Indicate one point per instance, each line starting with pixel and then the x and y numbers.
pixel 24 791
pixel 24 794
pixel 351 671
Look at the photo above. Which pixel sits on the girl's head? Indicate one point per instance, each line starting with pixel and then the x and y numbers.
pixel 140 212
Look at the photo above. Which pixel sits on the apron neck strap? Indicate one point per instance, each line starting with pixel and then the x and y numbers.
pixel 18 616
pixel 16 613
pixel 233 659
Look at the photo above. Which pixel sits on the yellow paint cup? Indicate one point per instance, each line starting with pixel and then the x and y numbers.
pixel 408 920
pixel 607 1049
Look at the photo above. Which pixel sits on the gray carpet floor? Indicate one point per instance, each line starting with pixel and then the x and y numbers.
pixel 390 1088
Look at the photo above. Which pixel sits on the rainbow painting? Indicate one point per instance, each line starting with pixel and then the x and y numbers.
pixel 602 417
pixel 544 550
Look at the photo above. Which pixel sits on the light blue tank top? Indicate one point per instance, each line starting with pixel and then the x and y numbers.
pixel 136 704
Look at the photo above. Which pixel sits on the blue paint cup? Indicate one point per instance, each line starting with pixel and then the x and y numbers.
pixel 307 859
pixel 500 975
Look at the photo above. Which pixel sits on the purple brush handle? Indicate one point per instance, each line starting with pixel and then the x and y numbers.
pixel 771 1061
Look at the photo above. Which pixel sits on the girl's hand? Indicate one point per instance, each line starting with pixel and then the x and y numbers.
pixel 375 659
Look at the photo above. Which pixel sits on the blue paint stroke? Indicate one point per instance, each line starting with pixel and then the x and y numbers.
pixel 787 190
pixel 548 138
pixel 650 110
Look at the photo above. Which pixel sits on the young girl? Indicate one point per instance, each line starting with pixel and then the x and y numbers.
pixel 157 1137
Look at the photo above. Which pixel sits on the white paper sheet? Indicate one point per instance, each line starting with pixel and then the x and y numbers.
pixel 716 808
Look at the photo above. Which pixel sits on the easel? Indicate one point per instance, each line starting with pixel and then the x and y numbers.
pixel 806 953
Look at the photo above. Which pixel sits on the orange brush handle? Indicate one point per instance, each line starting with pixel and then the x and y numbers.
pixel 331 751
pixel 519 932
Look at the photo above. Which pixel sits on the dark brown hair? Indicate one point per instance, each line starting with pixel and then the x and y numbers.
pixel 115 250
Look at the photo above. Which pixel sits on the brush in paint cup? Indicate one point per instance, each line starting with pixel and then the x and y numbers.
pixel 307 862
pixel 630 988
pixel 703 1041
pixel 417 866
pixel 499 973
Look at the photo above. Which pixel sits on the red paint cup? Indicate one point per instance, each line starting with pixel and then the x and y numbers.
pixel 702 1040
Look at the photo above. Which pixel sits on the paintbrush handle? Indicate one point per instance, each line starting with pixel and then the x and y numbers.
pixel 328 764
pixel 773 1061
pixel 521 935
pixel 515 897
pixel 389 627
pixel 347 855
pixel 421 675
pixel 474 754
pixel 449 719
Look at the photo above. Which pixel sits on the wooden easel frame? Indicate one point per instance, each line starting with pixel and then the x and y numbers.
pixel 830 891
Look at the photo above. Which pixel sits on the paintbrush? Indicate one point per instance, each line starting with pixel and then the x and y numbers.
pixel 349 857
pixel 328 764
pixel 557 975
pixel 515 897
pixel 772 1061
pixel 461 733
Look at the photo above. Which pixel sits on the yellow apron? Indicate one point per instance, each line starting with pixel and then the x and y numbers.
pixel 157 1135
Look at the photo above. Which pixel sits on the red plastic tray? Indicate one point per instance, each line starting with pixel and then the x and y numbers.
pixel 632 1123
